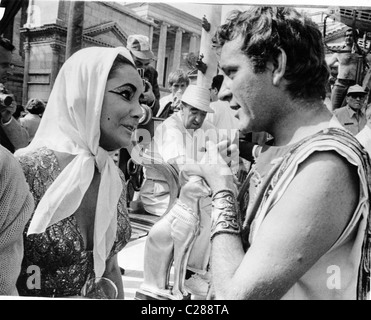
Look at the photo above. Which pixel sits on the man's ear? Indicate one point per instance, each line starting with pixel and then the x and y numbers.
pixel 279 67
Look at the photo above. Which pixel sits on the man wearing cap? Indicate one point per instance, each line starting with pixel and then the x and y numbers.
pixel 12 135
pixel 174 139
pixel 142 54
pixel 352 116
pixel 347 60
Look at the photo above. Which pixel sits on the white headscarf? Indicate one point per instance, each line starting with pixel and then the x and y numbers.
pixel 71 124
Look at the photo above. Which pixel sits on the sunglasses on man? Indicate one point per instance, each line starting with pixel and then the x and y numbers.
pixel 361 96
pixel 142 63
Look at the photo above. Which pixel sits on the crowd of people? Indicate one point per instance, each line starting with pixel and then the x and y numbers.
pixel 294 225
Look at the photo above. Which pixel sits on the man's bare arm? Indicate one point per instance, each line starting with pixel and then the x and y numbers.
pixel 297 231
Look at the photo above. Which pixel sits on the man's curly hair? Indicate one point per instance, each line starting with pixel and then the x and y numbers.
pixel 266 30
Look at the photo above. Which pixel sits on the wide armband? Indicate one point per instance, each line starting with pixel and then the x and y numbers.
pixel 224 216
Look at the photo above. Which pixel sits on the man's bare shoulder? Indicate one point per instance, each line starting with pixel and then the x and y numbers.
pixel 331 164
pixel 329 180
pixel 322 198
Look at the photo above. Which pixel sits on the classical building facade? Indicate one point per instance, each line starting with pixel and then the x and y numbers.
pixel 176 33
pixel 41 34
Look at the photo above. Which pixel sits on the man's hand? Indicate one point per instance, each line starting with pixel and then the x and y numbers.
pixel 212 168
pixel 7 112
pixel 175 105
pixel 229 152
pixel 206 24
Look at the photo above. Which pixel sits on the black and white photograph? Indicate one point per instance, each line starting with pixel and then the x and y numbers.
pixel 225 155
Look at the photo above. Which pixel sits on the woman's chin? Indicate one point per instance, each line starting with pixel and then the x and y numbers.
pixel 117 146
pixel 126 142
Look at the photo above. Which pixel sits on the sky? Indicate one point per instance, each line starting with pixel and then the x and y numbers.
pixel 198 8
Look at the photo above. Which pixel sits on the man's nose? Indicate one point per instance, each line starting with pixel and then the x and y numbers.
pixel 225 93
pixel 199 118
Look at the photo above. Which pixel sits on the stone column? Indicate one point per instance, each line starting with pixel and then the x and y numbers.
pixel 56 49
pixel 27 49
pixel 177 49
pixel 161 53
pixel 150 38
pixel 193 43
pixel 214 18
pixel 75 27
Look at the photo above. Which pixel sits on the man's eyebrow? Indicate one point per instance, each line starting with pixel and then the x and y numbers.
pixel 219 67
pixel 224 70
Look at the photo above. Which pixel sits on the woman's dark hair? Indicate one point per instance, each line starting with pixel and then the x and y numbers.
pixel 266 30
pixel 35 106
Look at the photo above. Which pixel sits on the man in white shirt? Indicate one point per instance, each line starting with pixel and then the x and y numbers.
pixel 175 138
pixel 12 135
pixel 178 82
pixel 182 138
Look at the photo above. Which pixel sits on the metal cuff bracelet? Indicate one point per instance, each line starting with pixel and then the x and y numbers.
pixel 224 217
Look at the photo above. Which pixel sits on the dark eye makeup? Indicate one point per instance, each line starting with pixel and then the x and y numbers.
pixel 127 91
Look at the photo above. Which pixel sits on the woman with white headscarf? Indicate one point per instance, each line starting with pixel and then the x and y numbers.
pixel 81 220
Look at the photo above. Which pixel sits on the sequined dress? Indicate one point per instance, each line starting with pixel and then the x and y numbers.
pixel 55 262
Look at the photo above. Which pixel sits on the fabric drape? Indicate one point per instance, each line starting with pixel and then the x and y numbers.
pixel 71 124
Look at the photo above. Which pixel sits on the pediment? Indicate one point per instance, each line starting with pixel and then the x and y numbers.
pixel 108 32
